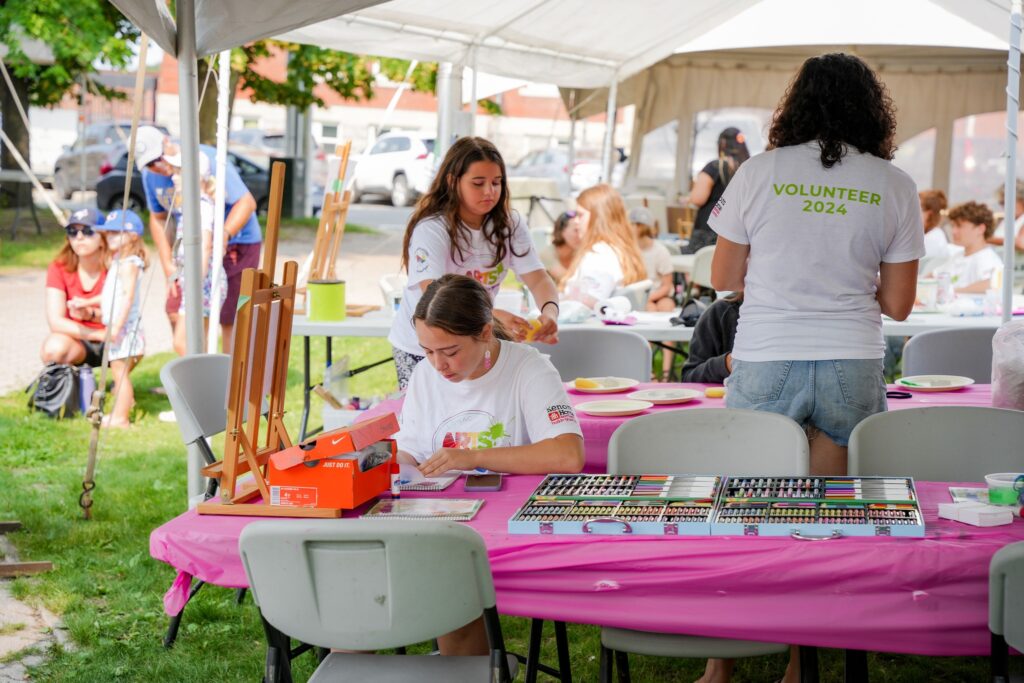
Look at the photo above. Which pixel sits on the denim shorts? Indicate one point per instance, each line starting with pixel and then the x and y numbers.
pixel 831 395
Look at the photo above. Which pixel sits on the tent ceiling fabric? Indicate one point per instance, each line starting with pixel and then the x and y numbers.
pixel 223 24
pixel 573 43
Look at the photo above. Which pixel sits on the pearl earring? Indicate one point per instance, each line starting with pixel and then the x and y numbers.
pixel 487 359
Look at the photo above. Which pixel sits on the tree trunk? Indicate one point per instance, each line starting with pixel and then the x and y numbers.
pixel 208 106
pixel 17 132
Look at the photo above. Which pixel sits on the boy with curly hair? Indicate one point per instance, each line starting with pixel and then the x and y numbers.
pixel 972 225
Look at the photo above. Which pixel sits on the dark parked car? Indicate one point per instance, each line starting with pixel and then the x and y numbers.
pixel 110 188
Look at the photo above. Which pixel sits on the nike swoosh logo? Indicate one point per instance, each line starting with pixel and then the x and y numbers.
pixel 335 442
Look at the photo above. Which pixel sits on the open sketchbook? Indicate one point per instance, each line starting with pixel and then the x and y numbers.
pixel 410 479
pixel 454 509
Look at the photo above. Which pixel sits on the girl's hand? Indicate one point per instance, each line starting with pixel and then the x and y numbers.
pixel 548 330
pixel 449 459
pixel 517 327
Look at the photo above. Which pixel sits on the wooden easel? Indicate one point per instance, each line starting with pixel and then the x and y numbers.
pixel 259 371
pixel 332 222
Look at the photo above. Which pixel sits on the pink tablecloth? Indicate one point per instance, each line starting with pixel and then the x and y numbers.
pixel 597 431
pixel 922 596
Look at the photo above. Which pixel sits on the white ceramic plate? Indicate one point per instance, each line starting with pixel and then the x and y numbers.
pixel 614 407
pixel 934 382
pixel 663 396
pixel 607 385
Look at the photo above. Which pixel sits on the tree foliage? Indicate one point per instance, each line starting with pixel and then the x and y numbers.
pixel 80 33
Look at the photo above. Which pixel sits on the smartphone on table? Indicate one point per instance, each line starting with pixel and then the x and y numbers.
pixel 483 482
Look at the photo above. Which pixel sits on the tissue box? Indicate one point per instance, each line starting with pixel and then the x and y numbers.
pixel 976 514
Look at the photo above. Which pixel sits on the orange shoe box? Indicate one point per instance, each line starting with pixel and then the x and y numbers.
pixel 316 473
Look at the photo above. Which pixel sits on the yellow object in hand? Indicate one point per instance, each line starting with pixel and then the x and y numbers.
pixel 584 383
pixel 534 326
pixel 714 392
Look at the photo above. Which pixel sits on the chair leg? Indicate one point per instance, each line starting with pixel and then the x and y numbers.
pixel 533 650
pixel 562 645
pixel 1000 660
pixel 856 666
pixel 239 596
pixel 175 622
pixel 279 663
pixel 622 664
pixel 605 667
pixel 808 664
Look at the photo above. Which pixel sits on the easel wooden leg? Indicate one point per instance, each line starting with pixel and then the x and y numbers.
pixel 17 568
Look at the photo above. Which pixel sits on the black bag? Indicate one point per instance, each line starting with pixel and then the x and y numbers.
pixel 690 313
pixel 56 391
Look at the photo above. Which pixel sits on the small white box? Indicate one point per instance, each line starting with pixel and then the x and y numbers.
pixel 976 514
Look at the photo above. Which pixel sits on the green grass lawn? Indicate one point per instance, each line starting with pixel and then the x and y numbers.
pixel 109 591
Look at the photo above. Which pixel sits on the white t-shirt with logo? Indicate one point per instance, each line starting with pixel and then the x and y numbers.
pixel 520 401
pixel 967 270
pixel 817 236
pixel 430 257
pixel 598 274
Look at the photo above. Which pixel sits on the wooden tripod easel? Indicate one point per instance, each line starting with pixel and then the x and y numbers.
pixel 259 371
pixel 332 222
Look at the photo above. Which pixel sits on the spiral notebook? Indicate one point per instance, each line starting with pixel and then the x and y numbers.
pixel 454 509
pixel 430 483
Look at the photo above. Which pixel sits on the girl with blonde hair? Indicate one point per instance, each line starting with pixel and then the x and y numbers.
pixel 608 256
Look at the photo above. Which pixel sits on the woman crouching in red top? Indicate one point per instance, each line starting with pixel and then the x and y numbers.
pixel 73 284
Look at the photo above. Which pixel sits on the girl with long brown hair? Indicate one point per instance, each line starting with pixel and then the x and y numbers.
pixel 465 224
pixel 608 256
pixel 73 280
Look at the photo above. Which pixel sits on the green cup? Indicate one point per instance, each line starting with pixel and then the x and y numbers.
pixel 1001 488
pixel 326 300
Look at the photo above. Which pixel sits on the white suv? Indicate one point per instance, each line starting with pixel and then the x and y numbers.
pixel 399 166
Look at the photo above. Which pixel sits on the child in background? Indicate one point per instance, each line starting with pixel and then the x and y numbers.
pixel 710 359
pixel 657 261
pixel 972 226
pixel 120 305
pixel 465 224
pixel 608 256
pixel 206 211
pixel 936 246
pixel 565 239
pixel 481 401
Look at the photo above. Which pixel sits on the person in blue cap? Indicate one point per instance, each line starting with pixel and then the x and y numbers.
pixel 73 282
pixel 120 303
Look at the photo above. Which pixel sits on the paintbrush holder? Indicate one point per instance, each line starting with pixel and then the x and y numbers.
pixel 325 300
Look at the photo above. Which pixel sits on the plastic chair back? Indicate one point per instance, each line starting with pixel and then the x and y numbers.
pixel 701 273
pixel 599 352
pixel 965 352
pixel 366 584
pixel 1006 595
pixel 709 441
pixel 941 443
pixel 197 387
pixel 636 293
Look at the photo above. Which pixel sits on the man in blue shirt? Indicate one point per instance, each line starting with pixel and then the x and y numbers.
pixel 240 224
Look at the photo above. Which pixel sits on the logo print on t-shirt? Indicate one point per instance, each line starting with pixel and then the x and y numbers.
pixel 560 412
pixel 471 429
pixel 718 206
pixel 420 256
pixel 488 278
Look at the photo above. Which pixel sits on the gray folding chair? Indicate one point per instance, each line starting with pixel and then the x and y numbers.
pixel 599 352
pixel 711 441
pixel 1006 607
pixel 197 387
pixel 941 443
pixel 375 584
pixel 966 352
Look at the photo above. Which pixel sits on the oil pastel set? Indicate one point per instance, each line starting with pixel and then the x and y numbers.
pixel 671 505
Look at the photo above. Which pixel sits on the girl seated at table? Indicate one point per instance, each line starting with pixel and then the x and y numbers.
pixel 608 256
pixel 481 401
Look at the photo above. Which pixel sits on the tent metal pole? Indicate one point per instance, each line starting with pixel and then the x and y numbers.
pixel 572 140
pixel 188 94
pixel 220 173
pixel 472 98
pixel 1010 189
pixel 609 130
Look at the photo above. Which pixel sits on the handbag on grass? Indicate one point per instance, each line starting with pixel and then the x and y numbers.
pixel 55 391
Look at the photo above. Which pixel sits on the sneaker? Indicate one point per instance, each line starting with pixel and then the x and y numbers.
pixel 167 416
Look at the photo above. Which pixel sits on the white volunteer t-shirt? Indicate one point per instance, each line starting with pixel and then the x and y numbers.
pixel 966 270
pixel 520 401
pixel 935 243
pixel 599 272
pixel 817 236
pixel 430 257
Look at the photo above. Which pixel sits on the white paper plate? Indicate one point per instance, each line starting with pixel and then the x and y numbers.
pixel 934 382
pixel 663 396
pixel 608 385
pixel 614 408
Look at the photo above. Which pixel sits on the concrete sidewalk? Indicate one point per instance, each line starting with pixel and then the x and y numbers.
pixel 361 263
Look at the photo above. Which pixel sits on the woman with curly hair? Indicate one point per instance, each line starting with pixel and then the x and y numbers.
pixel 822 233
